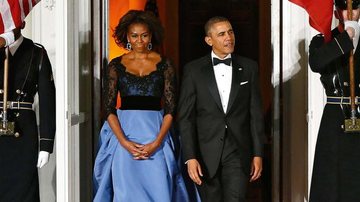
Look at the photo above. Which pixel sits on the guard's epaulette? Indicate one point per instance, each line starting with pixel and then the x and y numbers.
pixel 39 45
pixel 42 53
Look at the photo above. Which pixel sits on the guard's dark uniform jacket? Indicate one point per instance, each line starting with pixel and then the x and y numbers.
pixel 336 172
pixel 29 73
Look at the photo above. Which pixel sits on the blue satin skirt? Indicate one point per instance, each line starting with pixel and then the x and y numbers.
pixel 120 178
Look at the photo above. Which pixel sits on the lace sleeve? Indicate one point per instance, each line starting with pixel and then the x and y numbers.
pixel 170 89
pixel 110 89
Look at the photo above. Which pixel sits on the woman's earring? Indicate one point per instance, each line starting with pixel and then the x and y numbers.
pixel 128 46
pixel 149 46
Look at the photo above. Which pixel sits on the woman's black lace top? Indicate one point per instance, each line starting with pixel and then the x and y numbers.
pixel 140 92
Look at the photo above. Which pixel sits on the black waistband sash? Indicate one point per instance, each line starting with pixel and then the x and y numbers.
pixel 140 103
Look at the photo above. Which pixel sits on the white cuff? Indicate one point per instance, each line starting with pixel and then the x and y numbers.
pixel 9 37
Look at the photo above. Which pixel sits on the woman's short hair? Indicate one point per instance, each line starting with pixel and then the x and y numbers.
pixel 138 17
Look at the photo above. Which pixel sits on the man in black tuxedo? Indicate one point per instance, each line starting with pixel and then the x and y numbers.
pixel 220 118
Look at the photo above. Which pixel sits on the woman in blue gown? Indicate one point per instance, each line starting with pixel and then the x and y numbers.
pixel 136 159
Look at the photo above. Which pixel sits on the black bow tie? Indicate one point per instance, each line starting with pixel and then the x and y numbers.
pixel 217 61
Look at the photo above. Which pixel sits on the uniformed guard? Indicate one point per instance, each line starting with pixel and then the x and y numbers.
pixel 23 148
pixel 336 172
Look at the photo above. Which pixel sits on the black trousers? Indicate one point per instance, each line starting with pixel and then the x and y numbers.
pixel 230 182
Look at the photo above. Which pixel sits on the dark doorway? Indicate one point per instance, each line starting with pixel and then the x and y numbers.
pixel 251 22
pixel 244 18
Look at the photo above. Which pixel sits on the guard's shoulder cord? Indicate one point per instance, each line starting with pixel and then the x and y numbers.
pixel 30 65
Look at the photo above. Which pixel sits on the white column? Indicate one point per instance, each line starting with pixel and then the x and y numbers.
pixel 62 117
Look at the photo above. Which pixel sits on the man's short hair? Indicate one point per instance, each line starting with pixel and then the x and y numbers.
pixel 213 21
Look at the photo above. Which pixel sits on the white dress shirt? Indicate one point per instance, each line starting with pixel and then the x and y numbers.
pixel 223 76
pixel 14 46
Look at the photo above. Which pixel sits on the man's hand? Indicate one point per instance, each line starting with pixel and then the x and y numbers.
pixel 43 158
pixel 2 42
pixel 194 170
pixel 256 168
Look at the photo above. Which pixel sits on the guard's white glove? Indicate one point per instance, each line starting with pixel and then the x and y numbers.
pixel 9 38
pixel 43 158
pixel 354 33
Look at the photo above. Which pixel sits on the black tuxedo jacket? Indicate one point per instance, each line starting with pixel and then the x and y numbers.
pixel 203 122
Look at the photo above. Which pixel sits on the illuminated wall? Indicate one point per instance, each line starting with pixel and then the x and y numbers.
pixel 168 13
pixel 117 8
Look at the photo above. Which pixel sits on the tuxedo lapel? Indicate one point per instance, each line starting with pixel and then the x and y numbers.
pixel 235 82
pixel 209 74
